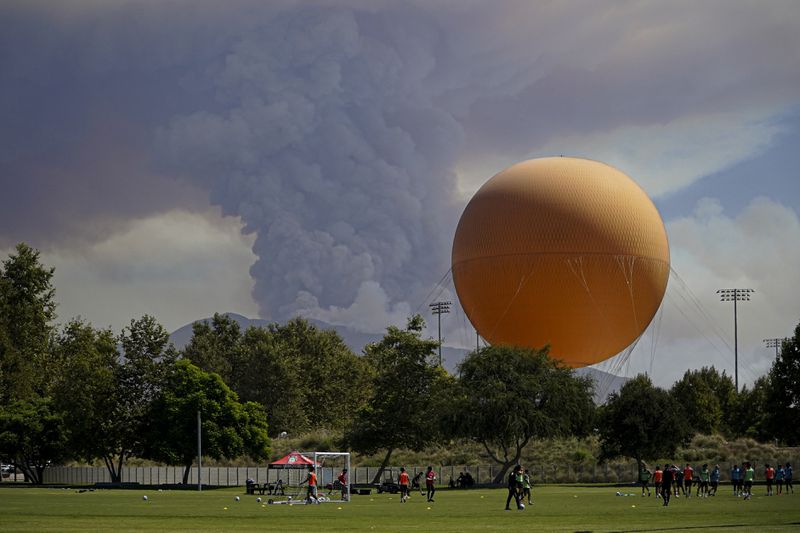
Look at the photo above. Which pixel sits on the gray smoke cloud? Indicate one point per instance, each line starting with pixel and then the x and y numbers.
pixel 330 146
pixel 347 135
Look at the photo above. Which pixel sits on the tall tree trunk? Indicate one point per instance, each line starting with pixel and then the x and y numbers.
pixel 377 478
pixel 186 471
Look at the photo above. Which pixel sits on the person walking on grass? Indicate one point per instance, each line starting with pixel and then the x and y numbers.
pixel 430 483
pixel 403 481
pixel 644 478
pixel 343 484
pixel 702 488
pixel 678 482
pixel 736 480
pixel 513 491
pixel 749 475
pixel 714 480
pixel 769 476
pixel 311 479
pixel 787 477
pixel 526 486
pixel 658 477
pixel 666 484
pixel 688 479
pixel 779 474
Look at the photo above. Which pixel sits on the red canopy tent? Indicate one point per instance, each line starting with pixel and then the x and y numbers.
pixel 294 459
pixel 294 464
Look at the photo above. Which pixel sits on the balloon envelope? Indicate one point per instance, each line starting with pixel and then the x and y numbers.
pixel 561 251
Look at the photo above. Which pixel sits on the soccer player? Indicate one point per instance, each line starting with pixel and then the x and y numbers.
pixel 787 478
pixel 678 481
pixel 688 474
pixel 343 484
pixel 736 480
pixel 430 479
pixel 749 475
pixel 702 489
pixel 658 477
pixel 769 475
pixel 403 481
pixel 513 491
pixel 526 486
pixel 311 479
pixel 779 474
pixel 644 478
pixel 666 483
pixel 715 480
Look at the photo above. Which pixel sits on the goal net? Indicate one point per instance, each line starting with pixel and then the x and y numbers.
pixel 333 476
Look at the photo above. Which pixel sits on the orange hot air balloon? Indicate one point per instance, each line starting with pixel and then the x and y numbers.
pixel 562 251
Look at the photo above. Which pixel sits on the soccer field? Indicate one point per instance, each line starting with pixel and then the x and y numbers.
pixel 556 508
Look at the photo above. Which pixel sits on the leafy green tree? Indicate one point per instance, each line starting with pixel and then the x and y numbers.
pixel 274 381
pixel 508 396
pixel 751 417
pixel 32 436
pixel 783 397
pixel 83 385
pixel 139 375
pixel 641 421
pixel 408 394
pixel 229 429
pixel 215 347
pixel 304 377
pixel 27 307
pixel 707 398
pixel 334 381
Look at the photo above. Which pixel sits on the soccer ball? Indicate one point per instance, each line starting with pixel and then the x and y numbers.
pixel 236 498
pixel 258 500
pixel 144 497
pixel 521 507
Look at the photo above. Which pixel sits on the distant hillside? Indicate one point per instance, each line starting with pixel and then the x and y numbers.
pixel 605 383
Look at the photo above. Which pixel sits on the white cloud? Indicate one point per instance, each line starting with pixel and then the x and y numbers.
pixel 176 266
pixel 662 158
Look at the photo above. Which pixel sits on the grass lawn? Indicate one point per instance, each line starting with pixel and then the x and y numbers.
pixel 556 508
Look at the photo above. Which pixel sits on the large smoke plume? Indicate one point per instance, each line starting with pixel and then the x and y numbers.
pixel 330 146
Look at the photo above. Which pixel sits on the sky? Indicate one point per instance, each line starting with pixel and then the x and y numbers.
pixel 180 158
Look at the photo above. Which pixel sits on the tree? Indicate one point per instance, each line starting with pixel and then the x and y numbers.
pixel 215 347
pixel 229 429
pixel 274 381
pixel 139 375
pixel 408 391
pixel 27 307
pixel 291 369
pixel 83 385
pixel 783 397
pixel 640 421
pixel 508 396
pixel 32 436
pixel 330 374
pixel 751 416
pixel 707 398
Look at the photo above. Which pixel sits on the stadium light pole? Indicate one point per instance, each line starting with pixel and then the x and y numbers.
pixel 199 453
pixel 735 295
pixel 776 343
pixel 440 308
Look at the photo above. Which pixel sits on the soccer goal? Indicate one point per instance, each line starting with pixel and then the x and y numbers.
pixel 333 476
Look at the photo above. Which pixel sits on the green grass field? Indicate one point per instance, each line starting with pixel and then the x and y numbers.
pixel 556 508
